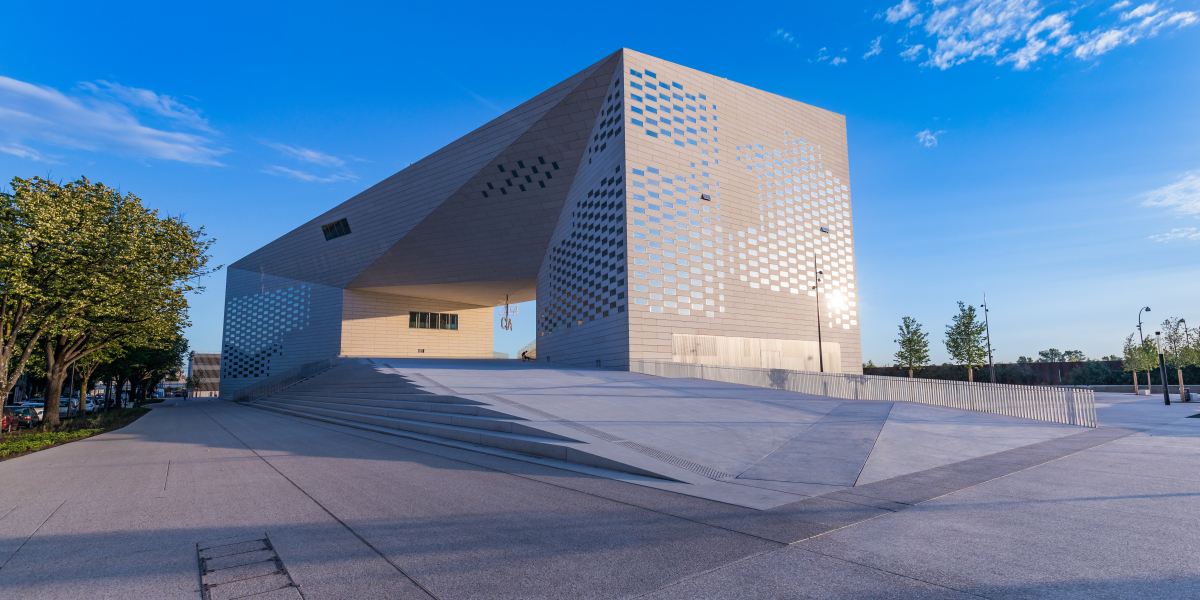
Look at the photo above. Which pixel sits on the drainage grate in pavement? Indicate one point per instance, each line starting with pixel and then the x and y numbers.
pixel 241 566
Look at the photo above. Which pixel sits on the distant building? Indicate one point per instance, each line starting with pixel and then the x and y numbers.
pixel 655 212
pixel 206 368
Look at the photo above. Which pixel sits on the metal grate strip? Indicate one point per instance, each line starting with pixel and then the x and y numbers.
pixel 242 566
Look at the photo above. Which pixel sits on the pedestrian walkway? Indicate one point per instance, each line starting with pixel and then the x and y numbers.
pixel 351 513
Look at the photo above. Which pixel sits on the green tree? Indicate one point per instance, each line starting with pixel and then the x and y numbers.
pixel 1073 356
pixel 1024 359
pixel 1139 357
pixel 1051 355
pixel 139 270
pixel 914 345
pixel 1179 350
pixel 965 339
pixel 48 256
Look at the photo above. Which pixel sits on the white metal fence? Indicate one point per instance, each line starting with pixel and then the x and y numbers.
pixel 1072 406
pixel 289 377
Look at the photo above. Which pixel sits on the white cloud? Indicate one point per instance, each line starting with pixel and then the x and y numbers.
pixel 1147 23
pixel 310 156
pixel 1057 28
pixel 785 37
pixel 303 176
pixel 899 12
pixel 102 119
pixel 306 155
pixel 912 52
pixel 1181 197
pixel 1140 11
pixel 23 151
pixel 1179 233
pixel 1017 31
pixel 163 106
pixel 837 60
pixel 876 47
pixel 928 138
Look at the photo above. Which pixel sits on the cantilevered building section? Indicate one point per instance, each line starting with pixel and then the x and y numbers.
pixel 654 212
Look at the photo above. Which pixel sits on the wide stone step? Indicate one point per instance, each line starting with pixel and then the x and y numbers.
pixel 501 443
pixel 518 442
pixel 335 392
pixel 459 425
pixel 419 403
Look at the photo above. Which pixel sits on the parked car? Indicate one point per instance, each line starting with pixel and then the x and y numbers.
pixel 8 420
pixel 90 405
pixel 67 408
pixel 39 409
pixel 26 416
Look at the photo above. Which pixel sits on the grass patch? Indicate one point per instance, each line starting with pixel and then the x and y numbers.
pixel 46 436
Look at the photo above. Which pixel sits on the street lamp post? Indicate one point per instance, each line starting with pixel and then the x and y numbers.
pixel 988 328
pixel 820 347
pixel 1162 368
pixel 1140 338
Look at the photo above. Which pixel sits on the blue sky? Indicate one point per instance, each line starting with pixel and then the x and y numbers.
pixel 1047 153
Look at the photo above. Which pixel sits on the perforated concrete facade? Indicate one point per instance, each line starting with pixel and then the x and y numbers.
pixel 587 198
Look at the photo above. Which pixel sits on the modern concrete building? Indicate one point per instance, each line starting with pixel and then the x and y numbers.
pixel 655 212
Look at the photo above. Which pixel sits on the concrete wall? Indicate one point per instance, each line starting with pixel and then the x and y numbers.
pixel 273 324
pixel 376 324
pixel 740 265
pixel 582 288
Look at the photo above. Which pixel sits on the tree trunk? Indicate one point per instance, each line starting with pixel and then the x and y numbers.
pixel 910 375
pixel 54 386
pixel 970 374
pixel 1182 394
pixel 1135 383
pixel 1149 386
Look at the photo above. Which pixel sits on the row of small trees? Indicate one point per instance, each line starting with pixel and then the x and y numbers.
pixel 89 278
pixel 1180 349
pixel 966 341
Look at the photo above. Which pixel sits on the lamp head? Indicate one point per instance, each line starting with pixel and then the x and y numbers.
pixel 1147 309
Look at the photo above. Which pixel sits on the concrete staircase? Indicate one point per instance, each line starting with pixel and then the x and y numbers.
pixel 371 397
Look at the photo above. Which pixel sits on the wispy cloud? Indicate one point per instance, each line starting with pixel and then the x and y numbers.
pixel 303 176
pixel 1018 31
pixel 1117 6
pixel 837 60
pixel 163 106
pixel 785 37
pixel 23 151
pixel 1179 233
pixel 912 52
pixel 928 137
pixel 310 156
pixel 899 12
pixel 102 117
pixel 306 155
pixel 1181 197
pixel 1144 21
pixel 876 47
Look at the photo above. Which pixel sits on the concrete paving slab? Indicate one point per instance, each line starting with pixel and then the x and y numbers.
pixel 352 513
pixel 831 451
pixel 727 428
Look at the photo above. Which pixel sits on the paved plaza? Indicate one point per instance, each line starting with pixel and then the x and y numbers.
pixel 949 507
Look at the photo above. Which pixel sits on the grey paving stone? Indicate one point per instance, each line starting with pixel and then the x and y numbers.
pixel 831 451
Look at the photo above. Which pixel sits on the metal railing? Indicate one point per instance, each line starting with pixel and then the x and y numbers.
pixel 287 378
pixel 1071 406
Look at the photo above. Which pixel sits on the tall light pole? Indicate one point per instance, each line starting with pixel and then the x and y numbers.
pixel 1140 338
pixel 988 328
pixel 1162 368
pixel 820 347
